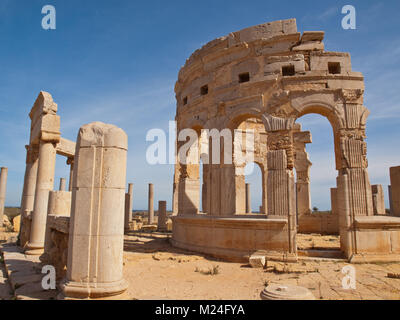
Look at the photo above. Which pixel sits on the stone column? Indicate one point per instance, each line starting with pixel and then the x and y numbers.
pixel 302 165
pixel 28 193
pixel 395 190
pixel 280 163
pixel 70 162
pixel 3 187
pixel 128 206
pixel 96 239
pixel 151 204
pixel 248 198
pixel 63 183
pixel 162 216
pixel 378 199
pixel 44 184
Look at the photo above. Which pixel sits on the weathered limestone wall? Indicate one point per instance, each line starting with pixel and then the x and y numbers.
pixel 95 249
pixel 321 223
pixel 231 238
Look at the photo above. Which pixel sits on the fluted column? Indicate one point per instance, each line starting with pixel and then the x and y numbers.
pixel 96 239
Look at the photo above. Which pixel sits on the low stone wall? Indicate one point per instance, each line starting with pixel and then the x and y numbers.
pixel 377 239
pixel 231 238
pixel 58 249
pixel 321 223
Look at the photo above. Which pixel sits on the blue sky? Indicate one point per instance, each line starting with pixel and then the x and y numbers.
pixel 117 62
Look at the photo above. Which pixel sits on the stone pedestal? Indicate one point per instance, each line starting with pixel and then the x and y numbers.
pixel 162 216
pixel 3 187
pixel 286 292
pixel 95 251
pixel 44 184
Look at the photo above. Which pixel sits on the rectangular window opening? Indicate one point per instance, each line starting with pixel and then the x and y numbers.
pixel 334 67
pixel 288 70
pixel 185 100
pixel 204 90
pixel 244 77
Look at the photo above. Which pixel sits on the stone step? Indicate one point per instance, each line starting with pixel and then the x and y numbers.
pixel 321 253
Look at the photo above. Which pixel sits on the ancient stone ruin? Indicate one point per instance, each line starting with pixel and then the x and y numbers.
pixel 265 78
pixel 252 85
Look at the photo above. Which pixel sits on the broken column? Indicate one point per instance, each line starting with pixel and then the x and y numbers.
pixel 378 200
pixel 151 204
pixel 162 216
pixel 395 190
pixel 3 187
pixel 45 135
pixel 59 205
pixel 63 184
pixel 128 206
pixel 96 240
pixel 248 198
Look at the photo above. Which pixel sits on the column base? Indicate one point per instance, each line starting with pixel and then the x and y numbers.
pixel 104 291
pixel 33 249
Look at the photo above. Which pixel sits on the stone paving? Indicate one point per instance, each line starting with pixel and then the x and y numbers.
pixel 24 274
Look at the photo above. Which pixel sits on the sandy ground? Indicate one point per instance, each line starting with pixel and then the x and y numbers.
pixel 156 270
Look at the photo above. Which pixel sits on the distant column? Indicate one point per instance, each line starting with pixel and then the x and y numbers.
pixel 248 198
pixel 63 184
pixel 44 184
pixel 162 216
pixel 128 206
pixel 96 239
pixel 3 187
pixel 151 204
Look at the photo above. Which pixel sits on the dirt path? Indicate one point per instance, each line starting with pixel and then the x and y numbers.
pixel 156 270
